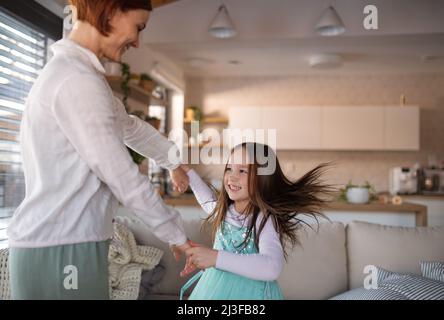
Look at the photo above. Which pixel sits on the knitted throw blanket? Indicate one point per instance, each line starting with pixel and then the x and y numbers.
pixel 5 292
pixel 127 260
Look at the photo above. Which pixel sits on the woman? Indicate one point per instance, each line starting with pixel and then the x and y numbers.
pixel 74 135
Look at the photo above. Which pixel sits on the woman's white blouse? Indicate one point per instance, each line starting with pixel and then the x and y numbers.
pixel 73 136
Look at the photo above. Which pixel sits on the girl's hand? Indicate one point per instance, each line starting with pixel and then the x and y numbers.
pixel 202 257
pixel 180 179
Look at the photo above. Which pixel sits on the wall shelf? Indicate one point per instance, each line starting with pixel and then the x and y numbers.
pixel 210 120
pixel 137 93
pixel 216 122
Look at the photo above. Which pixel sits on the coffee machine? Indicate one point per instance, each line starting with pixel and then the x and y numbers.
pixel 431 181
pixel 403 180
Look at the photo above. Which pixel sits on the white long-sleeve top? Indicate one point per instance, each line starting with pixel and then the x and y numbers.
pixel 267 264
pixel 76 165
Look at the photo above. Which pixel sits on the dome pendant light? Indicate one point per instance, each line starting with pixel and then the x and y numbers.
pixel 330 24
pixel 222 26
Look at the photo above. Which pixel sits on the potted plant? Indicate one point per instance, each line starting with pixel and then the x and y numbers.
pixel 155 122
pixel 147 83
pixel 135 78
pixel 357 193
pixel 193 113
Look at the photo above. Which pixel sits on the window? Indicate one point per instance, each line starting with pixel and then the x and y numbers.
pixel 23 53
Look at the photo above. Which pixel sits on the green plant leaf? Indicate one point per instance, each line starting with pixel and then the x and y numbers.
pixel 137 158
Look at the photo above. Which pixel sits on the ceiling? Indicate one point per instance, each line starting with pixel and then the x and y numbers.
pixel 277 37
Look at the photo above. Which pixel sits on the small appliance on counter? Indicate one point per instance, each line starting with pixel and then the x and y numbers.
pixel 431 181
pixel 403 180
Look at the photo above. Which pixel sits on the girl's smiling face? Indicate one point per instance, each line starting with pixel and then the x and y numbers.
pixel 236 178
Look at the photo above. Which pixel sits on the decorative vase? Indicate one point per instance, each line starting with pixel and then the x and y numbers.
pixel 189 114
pixel 358 195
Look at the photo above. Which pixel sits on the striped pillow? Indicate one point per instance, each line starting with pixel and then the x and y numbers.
pixel 433 270
pixel 413 286
pixel 370 294
pixel 397 286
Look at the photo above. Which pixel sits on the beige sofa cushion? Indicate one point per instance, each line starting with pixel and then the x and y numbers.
pixel 316 269
pixel 398 249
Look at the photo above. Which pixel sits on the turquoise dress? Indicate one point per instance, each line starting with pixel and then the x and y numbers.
pixel 216 284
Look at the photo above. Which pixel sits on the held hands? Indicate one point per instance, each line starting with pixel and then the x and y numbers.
pixel 178 250
pixel 198 257
pixel 180 179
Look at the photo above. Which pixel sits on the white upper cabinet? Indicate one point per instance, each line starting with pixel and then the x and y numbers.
pixel 333 128
pixel 402 128
pixel 247 120
pixel 296 127
pixel 353 128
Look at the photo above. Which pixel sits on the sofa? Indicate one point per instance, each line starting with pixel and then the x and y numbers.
pixel 330 260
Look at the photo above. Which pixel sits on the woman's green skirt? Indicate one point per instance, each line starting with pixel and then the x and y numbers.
pixel 66 272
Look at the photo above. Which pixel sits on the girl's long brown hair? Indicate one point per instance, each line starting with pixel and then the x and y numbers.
pixel 276 197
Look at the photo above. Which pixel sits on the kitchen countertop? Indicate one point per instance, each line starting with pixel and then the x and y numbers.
pixel 420 211
pixel 423 196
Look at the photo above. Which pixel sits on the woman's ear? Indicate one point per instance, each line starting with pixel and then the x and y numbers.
pixel 112 17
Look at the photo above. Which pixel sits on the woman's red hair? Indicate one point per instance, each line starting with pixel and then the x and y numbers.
pixel 98 12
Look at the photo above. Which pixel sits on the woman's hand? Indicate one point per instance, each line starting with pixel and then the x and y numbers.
pixel 189 267
pixel 179 250
pixel 180 179
pixel 199 257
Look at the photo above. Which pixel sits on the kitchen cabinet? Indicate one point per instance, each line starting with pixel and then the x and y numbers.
pixel 376 128
pixel 247 120
pixel 296 128
pixel 352 128
pixel 435 208
pixel 401 128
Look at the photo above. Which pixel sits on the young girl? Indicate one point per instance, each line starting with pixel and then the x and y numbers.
pixel 253 220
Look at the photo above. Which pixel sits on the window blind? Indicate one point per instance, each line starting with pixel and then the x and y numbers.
pixel 23 53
